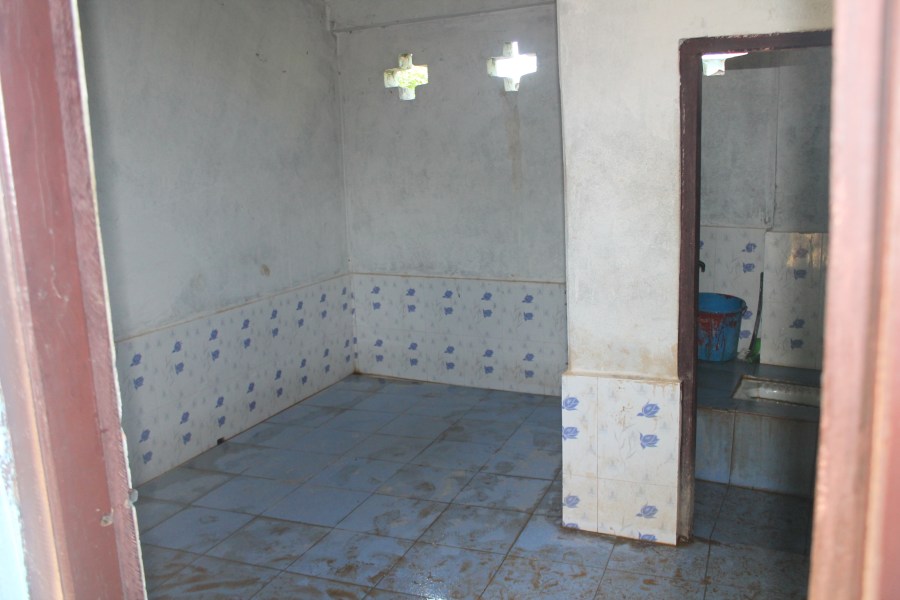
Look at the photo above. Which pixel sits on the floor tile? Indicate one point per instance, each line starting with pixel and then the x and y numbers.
pixel 214 578
pixel 758 569
pixel 686 561
pixel 227 458
pixel 361 474
pixel 414 388
pixel 454 455
pixel 362 383
pixel 392 516
pixel 388 595
pixel 305 415
pixel 500 412
pixel 290 465
pixel 260 434
pixel 540 438
pixel 426 483
pixel 501 491
pixel 635 586
pixel 351 557
pixel 387 402
pixel 269 542
pixel 151 512
pixel 716 591
pixel 182 485
pixel 546 539
pixel 442 572
pixel 162 563
pixel 317 505
pixel 492 433
pixel 195 529
pixel 247 494
pixel 525 462
pixel 708 499
pixel 291 585
pixel 476 528
pixel 335 397
pixel 551 503
pixel 442 408
pixel 360 420
pixel 532 578
pixel 729 530
pixel 417 426
pixel 324 441
pixel 389 447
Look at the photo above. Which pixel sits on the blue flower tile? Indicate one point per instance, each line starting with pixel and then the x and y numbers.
pixel 351 557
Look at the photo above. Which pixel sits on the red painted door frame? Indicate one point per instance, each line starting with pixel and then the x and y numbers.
pixel 690 53
pixel 856 540
pixel 56 355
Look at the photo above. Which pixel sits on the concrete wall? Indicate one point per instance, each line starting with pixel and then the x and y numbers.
pixel 620 100
pixel 764 182
pixel 455 198
pixel 216 132
pixel 217 150
pixel 465 180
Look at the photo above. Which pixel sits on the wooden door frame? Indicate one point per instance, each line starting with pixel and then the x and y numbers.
pixel 856 536
pixel 690 53
pixel 56 353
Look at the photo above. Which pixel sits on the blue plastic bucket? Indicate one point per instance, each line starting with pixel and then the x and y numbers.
pixel 718 326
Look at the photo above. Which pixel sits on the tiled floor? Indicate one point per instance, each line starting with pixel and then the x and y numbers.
pixel 390 490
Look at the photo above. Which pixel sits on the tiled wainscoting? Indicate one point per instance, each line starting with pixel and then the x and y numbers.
pixel 751 443
pixel 492 334
pixel 620 456
pixel 186 386
pixel 794 288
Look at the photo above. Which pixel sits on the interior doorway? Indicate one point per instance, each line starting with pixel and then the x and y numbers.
pixel 691 53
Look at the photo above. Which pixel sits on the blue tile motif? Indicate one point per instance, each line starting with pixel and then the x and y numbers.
pixel 649 410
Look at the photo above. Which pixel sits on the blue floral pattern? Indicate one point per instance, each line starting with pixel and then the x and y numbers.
pixel 649 410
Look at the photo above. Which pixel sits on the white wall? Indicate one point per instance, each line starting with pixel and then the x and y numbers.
pixel 454 198
pixel 619 85
pixel 620 91
pixel 217 150
pixel 764 181
pixel 465 180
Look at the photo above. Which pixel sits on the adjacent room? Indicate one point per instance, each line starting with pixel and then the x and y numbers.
pixel 387 310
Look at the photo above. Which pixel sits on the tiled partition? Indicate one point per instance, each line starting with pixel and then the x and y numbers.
pixel 792 321
pixel 483 333
pixel 184 387
pixel 620 456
